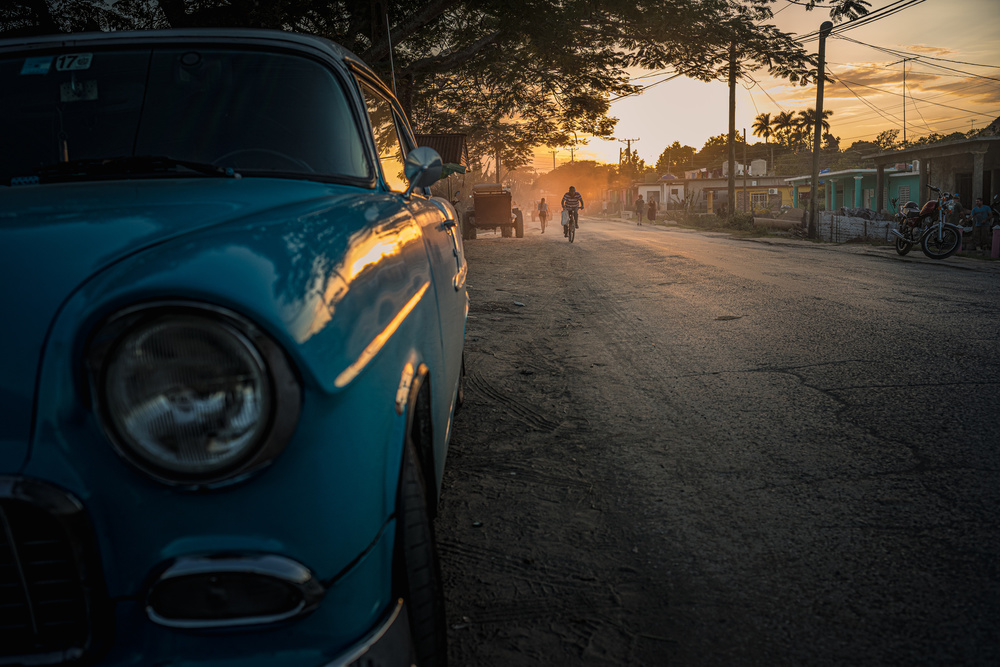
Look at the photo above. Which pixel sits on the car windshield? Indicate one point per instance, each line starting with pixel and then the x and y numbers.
pixel 259 113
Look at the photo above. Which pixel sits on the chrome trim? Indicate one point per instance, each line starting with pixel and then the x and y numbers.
pixel 403 392
pixel 388 644
pixel 269 565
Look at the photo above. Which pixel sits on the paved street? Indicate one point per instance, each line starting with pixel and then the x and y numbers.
pixel 688 449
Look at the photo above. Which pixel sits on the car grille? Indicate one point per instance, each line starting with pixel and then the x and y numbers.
pixel 47 603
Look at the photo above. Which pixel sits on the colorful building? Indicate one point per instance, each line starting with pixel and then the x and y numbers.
pixel 857 188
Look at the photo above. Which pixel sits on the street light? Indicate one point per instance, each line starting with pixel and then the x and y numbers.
pixel 824 30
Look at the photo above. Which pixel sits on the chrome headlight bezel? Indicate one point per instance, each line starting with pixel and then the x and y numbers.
pixel 283 388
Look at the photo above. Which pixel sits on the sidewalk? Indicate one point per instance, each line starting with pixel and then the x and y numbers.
pixel 888 252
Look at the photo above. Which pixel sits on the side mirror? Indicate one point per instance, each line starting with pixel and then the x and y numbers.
pixel 422 168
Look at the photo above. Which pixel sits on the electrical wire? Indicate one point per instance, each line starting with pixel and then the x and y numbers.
pixel 937 104
pixel 908 56
pixel 870 17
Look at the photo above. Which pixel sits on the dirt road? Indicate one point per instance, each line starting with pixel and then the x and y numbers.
pixel 682 449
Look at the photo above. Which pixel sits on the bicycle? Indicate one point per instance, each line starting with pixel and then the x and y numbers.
pixel 572 223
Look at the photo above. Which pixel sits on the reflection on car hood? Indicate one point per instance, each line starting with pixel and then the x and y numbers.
pixel 53 238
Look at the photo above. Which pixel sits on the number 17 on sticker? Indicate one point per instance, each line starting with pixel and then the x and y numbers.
pixel 73 61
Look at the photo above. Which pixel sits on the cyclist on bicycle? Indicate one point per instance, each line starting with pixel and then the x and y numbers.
pixel 572 203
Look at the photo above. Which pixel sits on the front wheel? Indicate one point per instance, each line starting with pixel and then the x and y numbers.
pixel 571 230
pixel 903 247
pixel 945 245
pixel 417 569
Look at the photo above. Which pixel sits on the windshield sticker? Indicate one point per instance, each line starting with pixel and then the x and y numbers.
pixel 73 61
pixel 36 65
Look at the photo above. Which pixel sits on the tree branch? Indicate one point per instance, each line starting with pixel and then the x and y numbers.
pixel 402 31
pixel 453 58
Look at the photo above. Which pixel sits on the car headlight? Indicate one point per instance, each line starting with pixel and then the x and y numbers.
pixel 192 396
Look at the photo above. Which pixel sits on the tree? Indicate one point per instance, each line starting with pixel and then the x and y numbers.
pixel 762 127
pixel 888 140
pixel 831 143
pixel 784 126
pixel 672 156
pixel 806 123
pixel 714 151
pixel 590 178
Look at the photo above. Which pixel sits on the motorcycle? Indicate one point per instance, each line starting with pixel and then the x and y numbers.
pixel 926 226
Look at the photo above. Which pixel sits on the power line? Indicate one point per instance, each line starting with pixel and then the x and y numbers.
pixel 868 104
pixel 915 56
pixel 870 17
pixel 937 104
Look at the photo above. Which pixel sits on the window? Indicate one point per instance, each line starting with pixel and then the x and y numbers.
pixel 390 148
pixel 257 112
pixel 904 194
pixel 758 200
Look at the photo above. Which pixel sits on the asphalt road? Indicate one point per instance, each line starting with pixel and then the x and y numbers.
pixel 681 448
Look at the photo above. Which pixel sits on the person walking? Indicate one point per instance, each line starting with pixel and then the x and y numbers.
pixel 981 215
pixel 572 203
pixel 651 210
pixel 640 210
pixel 543 213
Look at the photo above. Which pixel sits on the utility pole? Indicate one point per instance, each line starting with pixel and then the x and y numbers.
pixel 553 158
pixel 746 204
pixel 731 184
pixel 572 154
pixel 824 30
pixel 904 100
pixel 628 158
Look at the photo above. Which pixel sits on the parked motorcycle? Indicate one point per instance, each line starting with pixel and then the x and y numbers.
pixel 925 226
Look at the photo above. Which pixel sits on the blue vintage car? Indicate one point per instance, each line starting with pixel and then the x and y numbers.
pixel 231 354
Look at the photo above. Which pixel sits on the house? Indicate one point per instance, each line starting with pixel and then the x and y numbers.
pixel 970 167
pixel 668 192
pixel 858 188
pixel 711 195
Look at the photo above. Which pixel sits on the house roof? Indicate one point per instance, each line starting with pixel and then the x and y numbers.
pixel 961 146
pixel 804 180
pixel 451 147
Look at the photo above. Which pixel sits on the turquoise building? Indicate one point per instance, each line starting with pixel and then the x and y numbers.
pixel 856 188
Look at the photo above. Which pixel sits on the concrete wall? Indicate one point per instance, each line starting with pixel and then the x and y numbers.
pixel 841 228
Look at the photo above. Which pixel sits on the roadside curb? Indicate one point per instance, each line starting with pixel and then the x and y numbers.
pixel 887 252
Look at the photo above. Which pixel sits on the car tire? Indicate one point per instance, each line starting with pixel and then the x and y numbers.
pixel 506 231
pixel 519 225
pixel 417 568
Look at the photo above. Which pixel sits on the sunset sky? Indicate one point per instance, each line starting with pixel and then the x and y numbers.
pixel 954 86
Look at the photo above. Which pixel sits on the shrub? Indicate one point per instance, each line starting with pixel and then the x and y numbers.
pixel 739 220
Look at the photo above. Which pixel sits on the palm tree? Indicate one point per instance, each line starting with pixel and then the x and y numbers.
pixel 807 122
pixel 762 127
pixel 783 124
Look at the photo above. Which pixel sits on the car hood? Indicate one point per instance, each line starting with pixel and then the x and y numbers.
pixel 53 238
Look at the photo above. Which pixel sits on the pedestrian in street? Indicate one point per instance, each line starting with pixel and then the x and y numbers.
pixel 543 213
pixel 651 210
pixel 640 210
pixel 981 232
